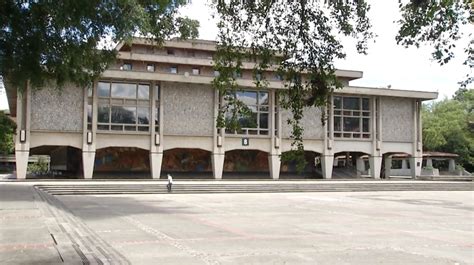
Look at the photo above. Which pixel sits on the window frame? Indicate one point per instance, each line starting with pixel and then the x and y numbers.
pixel 258 131
pixel 137 103
pixel 343 115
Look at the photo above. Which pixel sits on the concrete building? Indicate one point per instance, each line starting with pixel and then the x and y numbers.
pixel 154 111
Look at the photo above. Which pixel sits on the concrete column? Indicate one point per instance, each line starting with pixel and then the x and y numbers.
pixel 217 165
pixel 415 166
pixel 429 162
pixel 327 162
pixel 21 157
pixel 88 159
pixel 156 159
pixel 360 165
pixel 274 163
pixel 452 165
pixel 388 166
pixel 375 166
pixel 404 164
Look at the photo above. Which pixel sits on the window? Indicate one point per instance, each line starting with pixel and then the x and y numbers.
pixel 196 71
pixel 170 52
pixel 127 67
pixel 256 121
pixel 174 69
pixel 157 109
pixel 351 117
pixel 150 67
pixel 123 106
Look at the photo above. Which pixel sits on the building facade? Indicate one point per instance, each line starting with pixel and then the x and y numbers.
pixel 155 111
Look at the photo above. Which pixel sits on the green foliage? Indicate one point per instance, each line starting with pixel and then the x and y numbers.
pixel 38 168
pixel 298 39
pixel 439 23
pixel 7 134
pixel 448 127
pixel 57 40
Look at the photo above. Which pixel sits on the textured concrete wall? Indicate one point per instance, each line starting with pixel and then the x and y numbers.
pixel 313 129
pixel 397 119
pixel 188 109
pixel 57 110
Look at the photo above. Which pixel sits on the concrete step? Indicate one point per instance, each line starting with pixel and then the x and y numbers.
pixel 155 188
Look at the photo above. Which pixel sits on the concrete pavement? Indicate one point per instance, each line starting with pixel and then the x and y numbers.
pixel 280 228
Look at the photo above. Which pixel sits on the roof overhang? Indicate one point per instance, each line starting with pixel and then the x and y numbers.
pixel 388 92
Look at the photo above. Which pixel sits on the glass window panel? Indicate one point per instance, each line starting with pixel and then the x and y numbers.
pixel 347 113
pixel 103 89
pixel 103 127
pixel 366 136
pixel 337 102
pixel 351 124
pixel 355 113
pixel 337 135
pixel 356 135
pixel 351 103
pixel 127 66
pixel 125 115
pixel 124 90
pixel 196 71
pixel 103 113
pixel 247 97
pixel 248 120
pixel 263 132
pixel 157 116
pixel 252 132
pixel 337 112
pixel 117 128
pixel 365 104
pixel 265 108
pixel 143 115
pixel 89 113
pixel 143 128
pixel 365 125
pixel 130 128
pixel 347 135
pixel 174 69
pixel 337 124
pixel 143 91
pixel 89 126
pixel 264 120
pixel 263 98
pixel 365 113
pixel 150 67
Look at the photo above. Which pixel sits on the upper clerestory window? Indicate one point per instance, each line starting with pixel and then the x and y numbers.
pixel 126 67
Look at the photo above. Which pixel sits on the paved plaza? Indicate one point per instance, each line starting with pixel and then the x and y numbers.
pixel 422 227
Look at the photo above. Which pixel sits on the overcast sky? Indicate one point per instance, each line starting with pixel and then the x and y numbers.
pixel 386 64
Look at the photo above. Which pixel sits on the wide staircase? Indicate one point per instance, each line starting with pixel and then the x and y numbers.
pixel 159 187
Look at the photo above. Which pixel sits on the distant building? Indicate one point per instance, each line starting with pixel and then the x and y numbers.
pixel 154 111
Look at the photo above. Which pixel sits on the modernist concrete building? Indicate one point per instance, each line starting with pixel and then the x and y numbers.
pixel 155 111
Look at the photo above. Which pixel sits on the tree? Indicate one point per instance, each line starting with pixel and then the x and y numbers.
pixel 57 41
pixel 300 39
pixel 7 133
pixel 447 127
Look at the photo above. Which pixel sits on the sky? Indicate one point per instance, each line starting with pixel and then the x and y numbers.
pixel 386 64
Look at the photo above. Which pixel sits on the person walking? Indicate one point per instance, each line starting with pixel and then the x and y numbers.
pixel 170 183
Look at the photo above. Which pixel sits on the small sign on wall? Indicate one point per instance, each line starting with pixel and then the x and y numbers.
pixel 245 142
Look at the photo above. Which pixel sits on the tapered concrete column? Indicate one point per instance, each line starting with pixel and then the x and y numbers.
pixel 429 162
pixel 415 166
pixel 156 159
pixel 375 166
pixel 452 165
pixel 21 157
pixel 327 162
pixel 388 166
pixel 404 164
pixel 217 165
pixel 274 163
pixel 88 158
pixel 360 165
